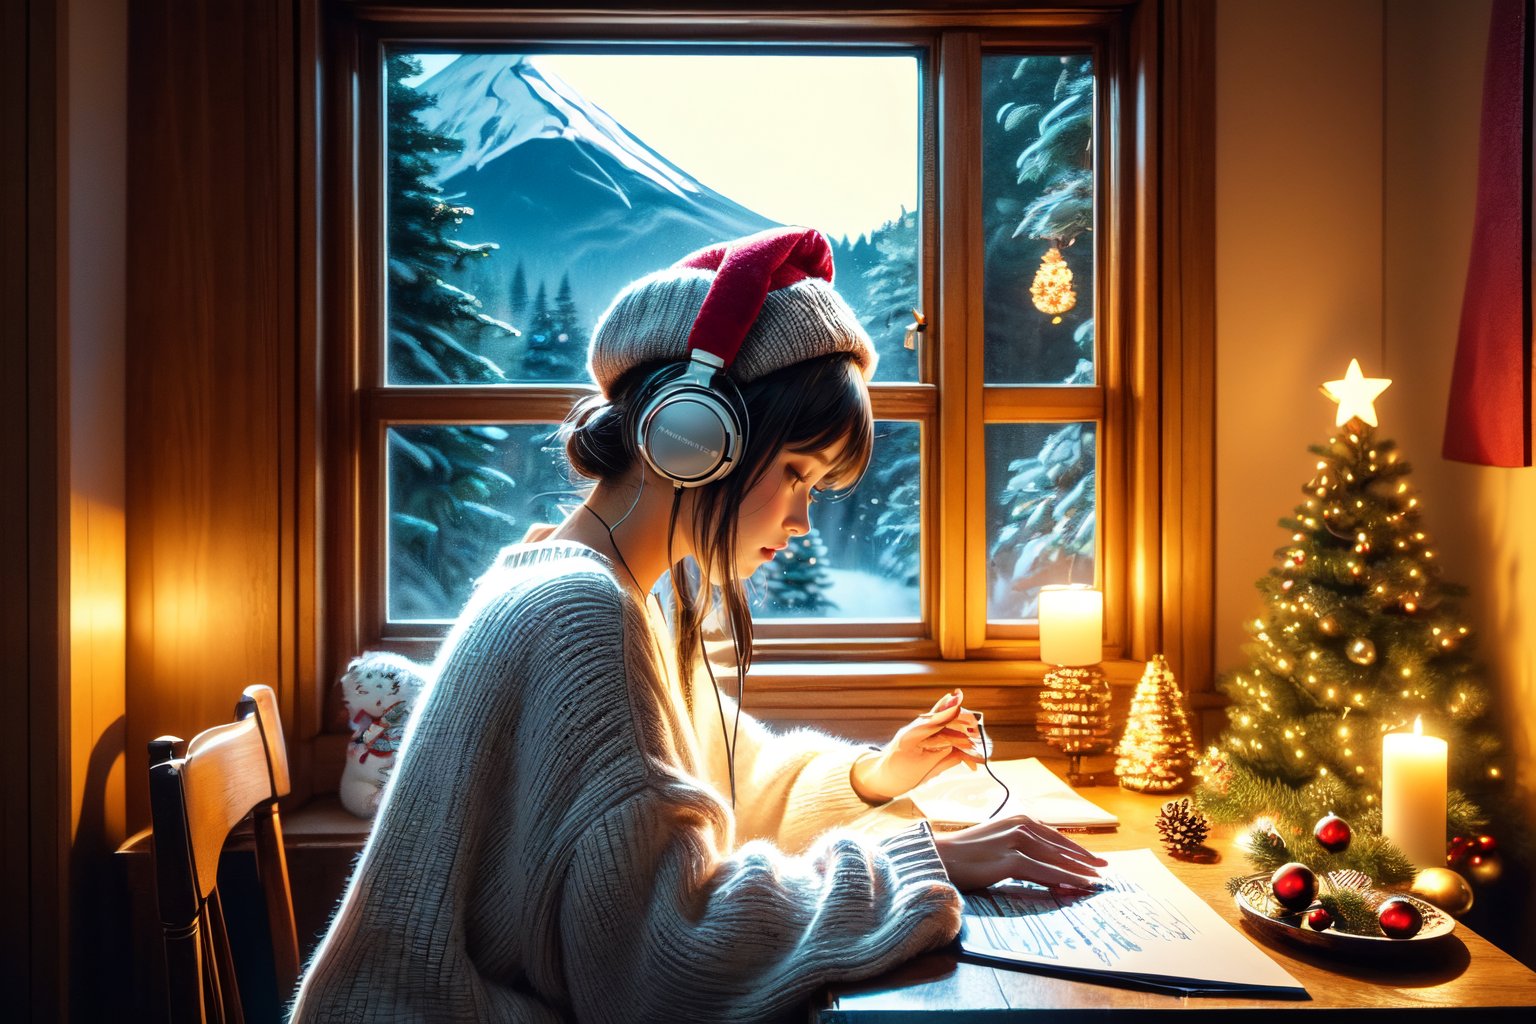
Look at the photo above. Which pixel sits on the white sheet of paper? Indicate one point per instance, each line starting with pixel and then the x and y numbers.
pixel 960 796
pixel 1148 926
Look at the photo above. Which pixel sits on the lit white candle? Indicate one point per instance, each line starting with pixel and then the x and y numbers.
pixel 1413 794
pixel 1071 625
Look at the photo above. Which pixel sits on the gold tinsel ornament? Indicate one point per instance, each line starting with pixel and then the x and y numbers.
pixel 1156 753
pixel 1052 288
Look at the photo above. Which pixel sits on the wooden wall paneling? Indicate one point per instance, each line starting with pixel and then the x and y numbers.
pixel 34 556
pixel 15 796
pixel 1188 260
pixel 302 403
pixel 93 126
pixel 211 315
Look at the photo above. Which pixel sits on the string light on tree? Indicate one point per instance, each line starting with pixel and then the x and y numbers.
pixel 1359 635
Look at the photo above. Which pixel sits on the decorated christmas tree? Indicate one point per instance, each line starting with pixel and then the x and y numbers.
pixel 1359 637
pixel 1156 754
pixel 797 581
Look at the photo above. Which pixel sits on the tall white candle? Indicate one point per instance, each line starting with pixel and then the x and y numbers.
pixel 1071 625
pixel 1413 794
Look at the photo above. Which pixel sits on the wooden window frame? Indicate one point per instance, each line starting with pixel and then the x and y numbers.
pixel 1154 394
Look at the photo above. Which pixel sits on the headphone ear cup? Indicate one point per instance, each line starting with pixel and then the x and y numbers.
pixel 689 434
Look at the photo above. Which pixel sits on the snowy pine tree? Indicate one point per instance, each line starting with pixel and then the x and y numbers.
pixel 517 301
pixel 444 526
pixel 1049 516
pixel 891 296
pixel 551 353
pixel 796 582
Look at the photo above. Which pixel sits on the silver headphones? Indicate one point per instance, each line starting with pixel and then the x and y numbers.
pixel 691 431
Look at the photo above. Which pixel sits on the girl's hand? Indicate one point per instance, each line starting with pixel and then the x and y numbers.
pixel 945 736
pixel 1017 847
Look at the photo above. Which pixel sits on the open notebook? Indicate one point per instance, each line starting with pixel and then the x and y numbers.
pixel 1146 930
pixel 960 797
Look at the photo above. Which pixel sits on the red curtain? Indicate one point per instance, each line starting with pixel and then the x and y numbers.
pixel 1489 418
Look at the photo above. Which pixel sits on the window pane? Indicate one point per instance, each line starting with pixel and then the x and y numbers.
pixel 457 495
pixel 1041 511
pixel 525 190
pixel 861 558
pixel 1037 214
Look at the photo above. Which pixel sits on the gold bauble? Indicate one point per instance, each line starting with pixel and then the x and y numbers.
pixel 1485 868
pixel 1361 651
pixel 1445 889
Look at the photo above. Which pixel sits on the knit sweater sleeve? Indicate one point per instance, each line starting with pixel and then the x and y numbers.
pixel 664 926
pixel 792 785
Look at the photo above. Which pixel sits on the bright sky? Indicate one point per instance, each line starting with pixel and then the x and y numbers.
pixel 826 141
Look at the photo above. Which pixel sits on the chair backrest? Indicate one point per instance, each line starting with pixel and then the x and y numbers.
pixel 197 796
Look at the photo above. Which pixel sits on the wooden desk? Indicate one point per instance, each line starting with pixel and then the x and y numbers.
pixel 1478 982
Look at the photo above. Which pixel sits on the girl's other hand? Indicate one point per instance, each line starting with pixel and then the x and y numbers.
pixel 944 736
pixel 1017 847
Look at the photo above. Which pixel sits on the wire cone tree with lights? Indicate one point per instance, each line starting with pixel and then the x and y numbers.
pixel 1156 752
pixel 1359 637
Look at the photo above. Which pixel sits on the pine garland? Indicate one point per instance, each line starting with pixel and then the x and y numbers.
pixel 1268 847
pixel 1234 794
pixel 1281 831
pixel 1353 910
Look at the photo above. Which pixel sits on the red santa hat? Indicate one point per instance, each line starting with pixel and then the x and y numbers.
pixel 760 303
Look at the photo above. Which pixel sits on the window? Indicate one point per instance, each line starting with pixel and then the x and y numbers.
pixel 966 168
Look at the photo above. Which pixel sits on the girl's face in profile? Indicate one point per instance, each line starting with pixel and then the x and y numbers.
pixel 777 507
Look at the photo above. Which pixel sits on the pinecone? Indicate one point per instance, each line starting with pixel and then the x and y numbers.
pixel 1182 827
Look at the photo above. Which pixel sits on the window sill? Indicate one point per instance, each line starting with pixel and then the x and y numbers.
pixel 868 700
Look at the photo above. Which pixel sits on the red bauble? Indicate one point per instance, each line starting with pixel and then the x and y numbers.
pixel 1294 886
pixel 1456 852
pixel 1332 833
pixel 1319 917
pixel 1399 919
pixel 1466 853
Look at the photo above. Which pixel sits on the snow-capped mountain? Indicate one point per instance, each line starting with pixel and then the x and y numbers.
pixel 562 187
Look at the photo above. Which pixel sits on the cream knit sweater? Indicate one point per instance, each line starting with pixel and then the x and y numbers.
pixel 554 844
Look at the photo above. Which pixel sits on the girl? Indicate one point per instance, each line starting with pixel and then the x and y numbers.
pixel 573 830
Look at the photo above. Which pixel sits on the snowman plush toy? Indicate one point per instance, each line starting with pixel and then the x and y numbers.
pixel 378 689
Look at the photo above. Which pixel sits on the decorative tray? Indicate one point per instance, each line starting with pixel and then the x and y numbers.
pixel 1252 898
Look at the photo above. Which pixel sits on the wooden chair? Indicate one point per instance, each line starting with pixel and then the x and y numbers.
pixel 196 799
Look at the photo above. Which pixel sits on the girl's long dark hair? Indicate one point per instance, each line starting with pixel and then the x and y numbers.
pixel 809 407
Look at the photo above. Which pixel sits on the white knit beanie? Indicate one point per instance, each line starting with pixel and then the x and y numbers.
pixel 770 304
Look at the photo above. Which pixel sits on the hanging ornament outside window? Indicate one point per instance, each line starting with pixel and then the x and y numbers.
pixel 1052 290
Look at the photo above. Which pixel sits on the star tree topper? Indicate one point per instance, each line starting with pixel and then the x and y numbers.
pixel 1356 394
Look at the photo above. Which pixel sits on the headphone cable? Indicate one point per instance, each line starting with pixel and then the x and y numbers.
pixel 986 762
